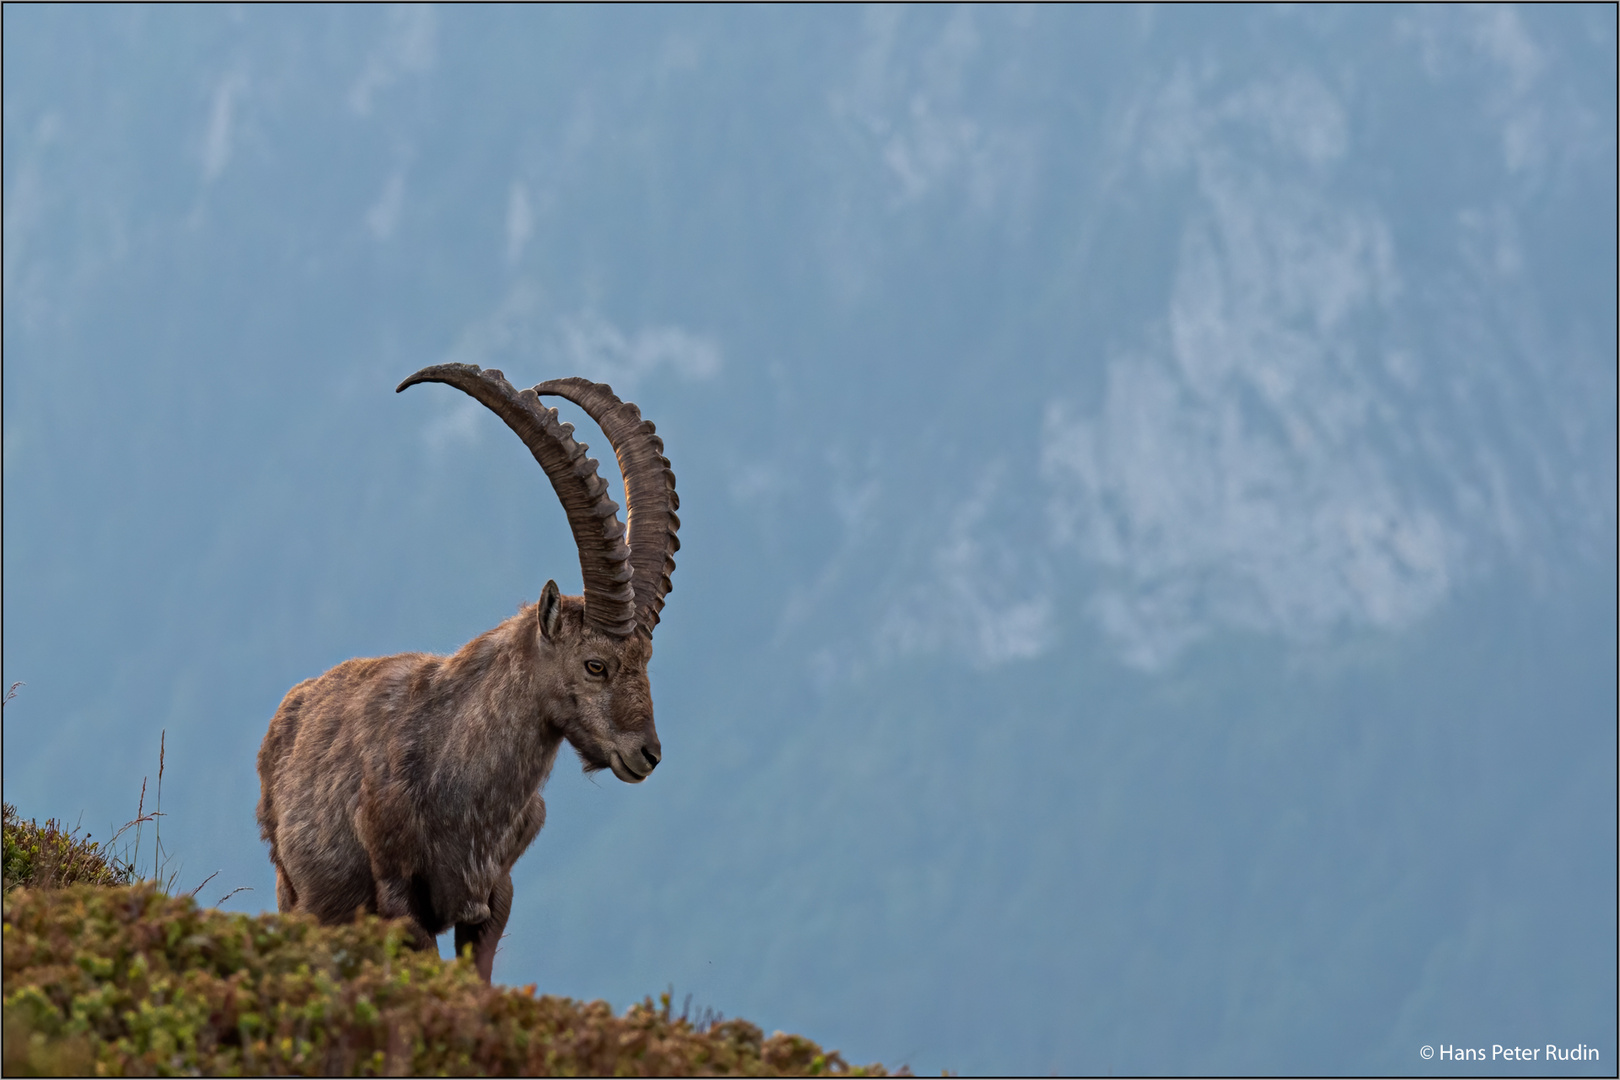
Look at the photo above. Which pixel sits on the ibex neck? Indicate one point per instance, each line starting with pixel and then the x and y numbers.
pixel 499 749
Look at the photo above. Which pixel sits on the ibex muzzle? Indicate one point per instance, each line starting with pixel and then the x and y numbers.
pixel 409 785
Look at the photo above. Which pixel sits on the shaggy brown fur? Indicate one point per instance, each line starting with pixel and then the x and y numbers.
pixel 409 785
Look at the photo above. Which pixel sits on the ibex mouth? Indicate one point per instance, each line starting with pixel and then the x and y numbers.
pixel 623 770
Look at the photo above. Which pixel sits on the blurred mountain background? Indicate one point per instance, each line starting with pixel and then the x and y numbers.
pixel 1148 590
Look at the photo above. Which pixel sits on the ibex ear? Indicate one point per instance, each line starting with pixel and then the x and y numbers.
pixel 550 610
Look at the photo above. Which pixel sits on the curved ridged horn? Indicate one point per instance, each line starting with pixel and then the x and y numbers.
pixel 649 487
pixel 604 559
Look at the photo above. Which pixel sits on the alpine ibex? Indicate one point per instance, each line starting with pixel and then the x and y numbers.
pixel 407 786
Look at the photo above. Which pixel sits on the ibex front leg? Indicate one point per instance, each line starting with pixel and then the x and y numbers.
pixel 385 827
pixel 404 898
pixel 485 937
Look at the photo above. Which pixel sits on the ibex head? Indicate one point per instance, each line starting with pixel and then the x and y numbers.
pixel 608 718
pixel 597 646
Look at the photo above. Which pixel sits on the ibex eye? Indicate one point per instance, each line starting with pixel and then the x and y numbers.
pixel 596 667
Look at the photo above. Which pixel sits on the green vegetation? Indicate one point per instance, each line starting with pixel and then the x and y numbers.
pixel 49 856
pixel 114 979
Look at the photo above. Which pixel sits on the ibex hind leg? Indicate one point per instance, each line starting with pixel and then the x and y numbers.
pixel 485 937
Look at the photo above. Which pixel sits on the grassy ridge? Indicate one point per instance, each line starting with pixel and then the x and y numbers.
pixel 49 856
pixel 122 979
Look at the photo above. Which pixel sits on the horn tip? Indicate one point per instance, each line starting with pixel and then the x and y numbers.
pixel 437 373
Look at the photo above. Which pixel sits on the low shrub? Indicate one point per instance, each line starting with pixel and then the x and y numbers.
pixel 127 981
pixel 49 856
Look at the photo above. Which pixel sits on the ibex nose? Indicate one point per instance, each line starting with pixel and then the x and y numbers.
pixel 650 752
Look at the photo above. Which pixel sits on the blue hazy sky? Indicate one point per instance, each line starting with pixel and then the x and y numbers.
pixel 1147 598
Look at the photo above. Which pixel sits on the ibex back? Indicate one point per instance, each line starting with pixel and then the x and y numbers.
pixel 407 786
